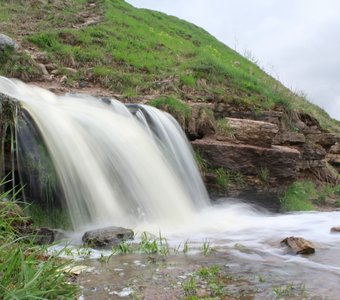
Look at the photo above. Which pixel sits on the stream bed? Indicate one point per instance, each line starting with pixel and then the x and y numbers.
pixel 242 243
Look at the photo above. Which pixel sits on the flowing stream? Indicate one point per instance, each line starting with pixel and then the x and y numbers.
pixel 132 166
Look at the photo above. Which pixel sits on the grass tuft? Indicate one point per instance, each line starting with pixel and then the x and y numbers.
pixel 298 197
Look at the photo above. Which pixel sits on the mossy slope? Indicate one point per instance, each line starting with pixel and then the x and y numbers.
pixel 138 52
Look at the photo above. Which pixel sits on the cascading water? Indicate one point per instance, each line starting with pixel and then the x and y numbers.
pixel 131 167
pixel 111 169
pixel 168 135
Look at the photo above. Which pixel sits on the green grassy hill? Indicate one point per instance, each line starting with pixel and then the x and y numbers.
pixel 138 52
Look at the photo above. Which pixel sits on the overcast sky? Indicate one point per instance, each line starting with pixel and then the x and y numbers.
pixel 296 41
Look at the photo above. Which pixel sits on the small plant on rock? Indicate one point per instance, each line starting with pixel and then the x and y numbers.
pixel 223 128
pixel 264 176
pixel 223 177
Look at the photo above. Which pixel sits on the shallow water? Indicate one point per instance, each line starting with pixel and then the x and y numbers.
pixel 247 243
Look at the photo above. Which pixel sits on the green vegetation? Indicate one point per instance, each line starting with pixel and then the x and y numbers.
pixel 223 128
pixel 124 247
pixel 298 197
pixel 327 194
pixel 186 247
pixel 264 176
pixel 206 248
pixel 151 246
pixel 55 217
pixel 177 108
pixel 201 161
pixel 211 276
pixel 303 195
pixel 189 286
pixel 289 290
pixel 139 52
pixel 18 65
pixel 223 177
pixel 26 270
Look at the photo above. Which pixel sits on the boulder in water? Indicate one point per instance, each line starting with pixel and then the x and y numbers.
pixel 335 229
pixel 298 245
pixel 107 237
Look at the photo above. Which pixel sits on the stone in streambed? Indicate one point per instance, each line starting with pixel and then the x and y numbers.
pixel 107 237
pixel 298 245
pixel 335 229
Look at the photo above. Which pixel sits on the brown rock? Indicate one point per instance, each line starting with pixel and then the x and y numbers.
pixel 325 140
pixel 43 69
pixel 251 132
pixel 201 122
pixel 290 138
pixel 11 210
pixel 280 161
pixel 298 245
pixel 63 79
pixel 71 70
pixel 228 110
pixel 335 229
pixel 333 158
pixel 50 66
pixel 335 149
pixel 107 237
pixel 312 151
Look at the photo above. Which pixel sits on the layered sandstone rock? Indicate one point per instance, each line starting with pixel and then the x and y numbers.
pixel 280 161
pixel 270 149
pixel 257 133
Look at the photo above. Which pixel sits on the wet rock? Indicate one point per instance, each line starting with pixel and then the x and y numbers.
pixel 298 245
pixel 82 84
pixel 107 237
pixel 77 270
pixel 335 229
pixel 6 41
pixel 45 236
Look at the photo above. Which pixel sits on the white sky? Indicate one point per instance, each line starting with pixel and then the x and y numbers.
pixel 296 41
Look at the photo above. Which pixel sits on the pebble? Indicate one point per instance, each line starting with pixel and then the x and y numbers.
pixel 124 292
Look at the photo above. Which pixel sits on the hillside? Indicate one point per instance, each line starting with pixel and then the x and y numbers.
pixel 136 52
pixel 251 134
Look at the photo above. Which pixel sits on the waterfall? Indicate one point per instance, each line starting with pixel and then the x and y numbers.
pixel 115 167
pixel 169 136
